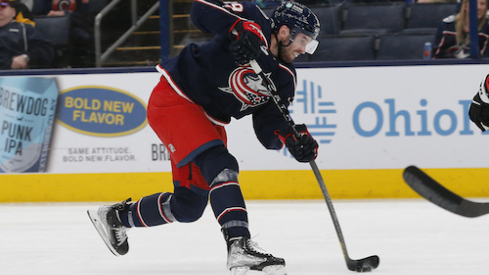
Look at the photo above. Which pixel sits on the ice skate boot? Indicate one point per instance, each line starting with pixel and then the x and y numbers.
pixel 244 255
pixel 107 222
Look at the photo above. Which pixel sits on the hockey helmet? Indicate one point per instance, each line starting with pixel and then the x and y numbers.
pixel 299 19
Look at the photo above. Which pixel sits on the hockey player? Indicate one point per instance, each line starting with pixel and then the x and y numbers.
pixel 479 109
pixel 199 92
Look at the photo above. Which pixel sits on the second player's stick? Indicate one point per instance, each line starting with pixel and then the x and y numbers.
pixel 362 265
pixel 431 190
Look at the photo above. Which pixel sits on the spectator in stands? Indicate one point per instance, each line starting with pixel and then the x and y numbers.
pixel 21 45
pixel 22 13
pixel 81 27
pixel 452 38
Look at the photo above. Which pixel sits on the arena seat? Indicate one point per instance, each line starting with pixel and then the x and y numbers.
pixel 428 16
pixel 403 46
pixel 55 28
pixel 345 48
pixel 372 18
pixel 329 17
pixel 57 31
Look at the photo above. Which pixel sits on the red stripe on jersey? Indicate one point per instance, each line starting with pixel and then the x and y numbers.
pixel 172 83
pixel 228 183
pixel 227 210
pixel 160 208
pixel 139 213
pixel 215 121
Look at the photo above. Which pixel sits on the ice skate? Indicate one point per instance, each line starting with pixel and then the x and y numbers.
pixel 107 222
pixel 244 255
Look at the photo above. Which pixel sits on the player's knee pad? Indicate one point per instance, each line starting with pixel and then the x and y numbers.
pixel 187 206
pixel 214 161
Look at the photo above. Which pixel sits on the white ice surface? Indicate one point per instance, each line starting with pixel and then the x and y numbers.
pixel 412 237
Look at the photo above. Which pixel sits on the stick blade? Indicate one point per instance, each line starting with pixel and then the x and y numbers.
pixel 431 190
pixel 364 265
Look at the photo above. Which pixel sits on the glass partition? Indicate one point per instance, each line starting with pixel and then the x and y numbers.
pixel 103 33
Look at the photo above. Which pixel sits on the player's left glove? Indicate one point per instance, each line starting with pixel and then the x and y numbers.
pixel 304 148
pixel 248 39
pixel 479 108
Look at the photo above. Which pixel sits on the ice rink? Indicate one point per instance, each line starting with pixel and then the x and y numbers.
pixel 411 237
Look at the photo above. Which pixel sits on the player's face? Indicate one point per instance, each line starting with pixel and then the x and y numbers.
pixel 296 48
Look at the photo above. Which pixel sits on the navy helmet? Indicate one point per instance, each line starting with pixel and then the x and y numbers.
pixel 299 19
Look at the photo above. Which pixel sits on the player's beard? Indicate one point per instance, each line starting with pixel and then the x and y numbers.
pixel 282 52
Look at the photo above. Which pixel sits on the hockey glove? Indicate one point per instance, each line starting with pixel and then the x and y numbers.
pixel 247 38
pixel 304 148
pixel 479 108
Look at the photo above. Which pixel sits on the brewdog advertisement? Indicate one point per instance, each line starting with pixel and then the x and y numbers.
pixel 27 112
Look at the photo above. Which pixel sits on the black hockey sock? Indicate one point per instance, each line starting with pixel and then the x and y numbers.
pixel 183 205
pixel 220 169
pixel 148 211
pixel 229 207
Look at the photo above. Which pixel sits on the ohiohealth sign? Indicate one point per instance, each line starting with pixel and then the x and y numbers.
pixel 391 117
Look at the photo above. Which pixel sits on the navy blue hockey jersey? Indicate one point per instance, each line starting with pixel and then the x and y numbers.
pixel 208 75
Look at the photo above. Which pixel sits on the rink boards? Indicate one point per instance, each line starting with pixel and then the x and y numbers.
pixel 94 143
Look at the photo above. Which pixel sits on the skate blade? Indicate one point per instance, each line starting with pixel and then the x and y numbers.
pixel 269 270
pixel 274 270
pixel 97 223
pixel 241 270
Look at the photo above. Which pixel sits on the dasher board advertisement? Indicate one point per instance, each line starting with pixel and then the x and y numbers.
pixel 27 114
pixel 363 118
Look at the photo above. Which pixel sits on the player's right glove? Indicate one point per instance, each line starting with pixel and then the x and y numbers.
pixel 479 108
pixel 248 39
pixel 304 148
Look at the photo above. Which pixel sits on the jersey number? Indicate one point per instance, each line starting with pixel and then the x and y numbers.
pixel 236 7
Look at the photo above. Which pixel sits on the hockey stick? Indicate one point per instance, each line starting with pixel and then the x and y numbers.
pixel 431 190
pixel 362 265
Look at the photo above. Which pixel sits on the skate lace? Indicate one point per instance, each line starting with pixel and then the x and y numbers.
pixel 120 231
pixel 120 235
pixel 253 246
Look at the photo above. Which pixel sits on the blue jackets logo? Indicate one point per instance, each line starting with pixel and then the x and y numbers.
pixel 101 111
pixel 247 87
